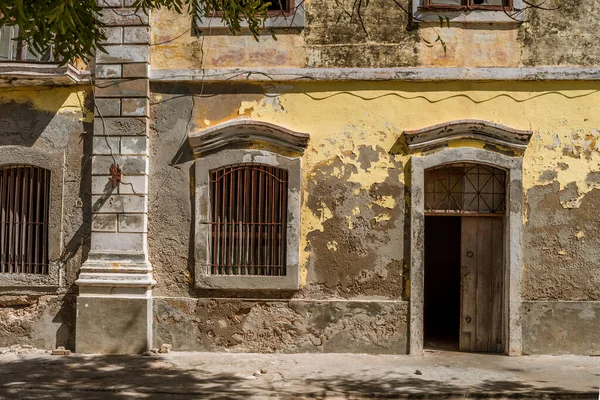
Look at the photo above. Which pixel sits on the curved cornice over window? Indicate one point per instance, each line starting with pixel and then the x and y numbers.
pixel 488 133
pixel 245 133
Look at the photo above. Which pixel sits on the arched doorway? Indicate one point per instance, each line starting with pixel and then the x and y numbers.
pixel 464 209
pixel 496 146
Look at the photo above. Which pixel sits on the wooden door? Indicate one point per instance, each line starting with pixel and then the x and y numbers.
pixel 482 285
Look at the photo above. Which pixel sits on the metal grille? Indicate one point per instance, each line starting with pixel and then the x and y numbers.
pixel 465 189
pixel 249 218
pixel 15 50
pixel 24 204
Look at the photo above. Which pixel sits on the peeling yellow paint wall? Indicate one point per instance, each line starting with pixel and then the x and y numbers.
pixel 176 48
pixel 331 40
pixel 481 47
pixel 342 119
pixel 64 101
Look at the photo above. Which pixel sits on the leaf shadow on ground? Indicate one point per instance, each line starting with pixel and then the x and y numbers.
pixel 138 377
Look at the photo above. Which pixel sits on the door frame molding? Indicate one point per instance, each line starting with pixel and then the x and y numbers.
pixel 513 232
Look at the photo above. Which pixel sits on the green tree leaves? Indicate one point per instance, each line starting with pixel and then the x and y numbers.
pixel 73 30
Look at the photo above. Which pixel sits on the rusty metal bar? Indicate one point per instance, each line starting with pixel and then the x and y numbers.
pixel 223 226
pixel 22 220
pixel 36 257
pixel 245 242
pixel 30 225
pixel 2 219
pixel 5 230
pixel 11 218
pixel 213 206
pixel 46 199
pixel 273 206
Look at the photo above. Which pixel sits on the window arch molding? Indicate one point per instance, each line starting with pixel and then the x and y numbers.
pixel 512 236
pixel 246 142
pixel 51 161
pixel 490 134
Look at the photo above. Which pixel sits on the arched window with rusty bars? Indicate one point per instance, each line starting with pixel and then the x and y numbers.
pixel 465 188
pixel 24 209
pixel 249 219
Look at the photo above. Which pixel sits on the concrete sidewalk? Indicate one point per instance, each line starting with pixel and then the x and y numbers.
pixel 436 375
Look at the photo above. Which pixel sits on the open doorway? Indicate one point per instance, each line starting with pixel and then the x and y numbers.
pixel 464 258
pixel 442 283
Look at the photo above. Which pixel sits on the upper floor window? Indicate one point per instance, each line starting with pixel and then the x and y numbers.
pixel 278 6
pixel 15 50
pixel 275 7
pixel 498 5
pixel 24 211
pixel 282 14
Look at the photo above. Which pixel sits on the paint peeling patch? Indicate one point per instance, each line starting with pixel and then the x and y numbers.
pixel 359 250
pixel 247 107
pixel 583 144
pixel 386 202
pixel 382 217
pixel 569 197
pixel 548 175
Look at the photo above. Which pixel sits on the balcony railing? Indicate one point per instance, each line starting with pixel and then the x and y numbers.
pixel 15 51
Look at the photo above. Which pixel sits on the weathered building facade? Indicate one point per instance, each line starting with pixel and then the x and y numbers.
pixel 328 191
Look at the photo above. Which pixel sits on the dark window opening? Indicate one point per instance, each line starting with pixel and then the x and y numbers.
pixel 442 282
pixel 492 5
pixel 16 51
pixel 275 7
pixel 249 219
pixel 24 207
pixel 279 6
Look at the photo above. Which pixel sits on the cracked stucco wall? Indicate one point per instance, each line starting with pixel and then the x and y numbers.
pixel 353 241
pixel 53 120
pixel 565 37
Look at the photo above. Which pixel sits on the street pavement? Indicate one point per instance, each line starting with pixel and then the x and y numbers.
pixel 35 374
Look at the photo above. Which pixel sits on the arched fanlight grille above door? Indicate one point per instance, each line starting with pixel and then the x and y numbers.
pixel 465 188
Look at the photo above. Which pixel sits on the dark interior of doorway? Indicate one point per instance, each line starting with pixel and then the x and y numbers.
pixel 442 282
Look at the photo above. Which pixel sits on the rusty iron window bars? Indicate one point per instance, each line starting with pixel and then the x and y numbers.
pixel 465 189
pixel 24 208
pixel 249 220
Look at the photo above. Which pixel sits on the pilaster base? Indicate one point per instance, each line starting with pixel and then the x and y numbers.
pixel 113 325
pixel 114 307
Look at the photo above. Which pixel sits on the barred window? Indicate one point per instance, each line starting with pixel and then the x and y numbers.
pixel 465 188
pixel 249 218
pixel 24 206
